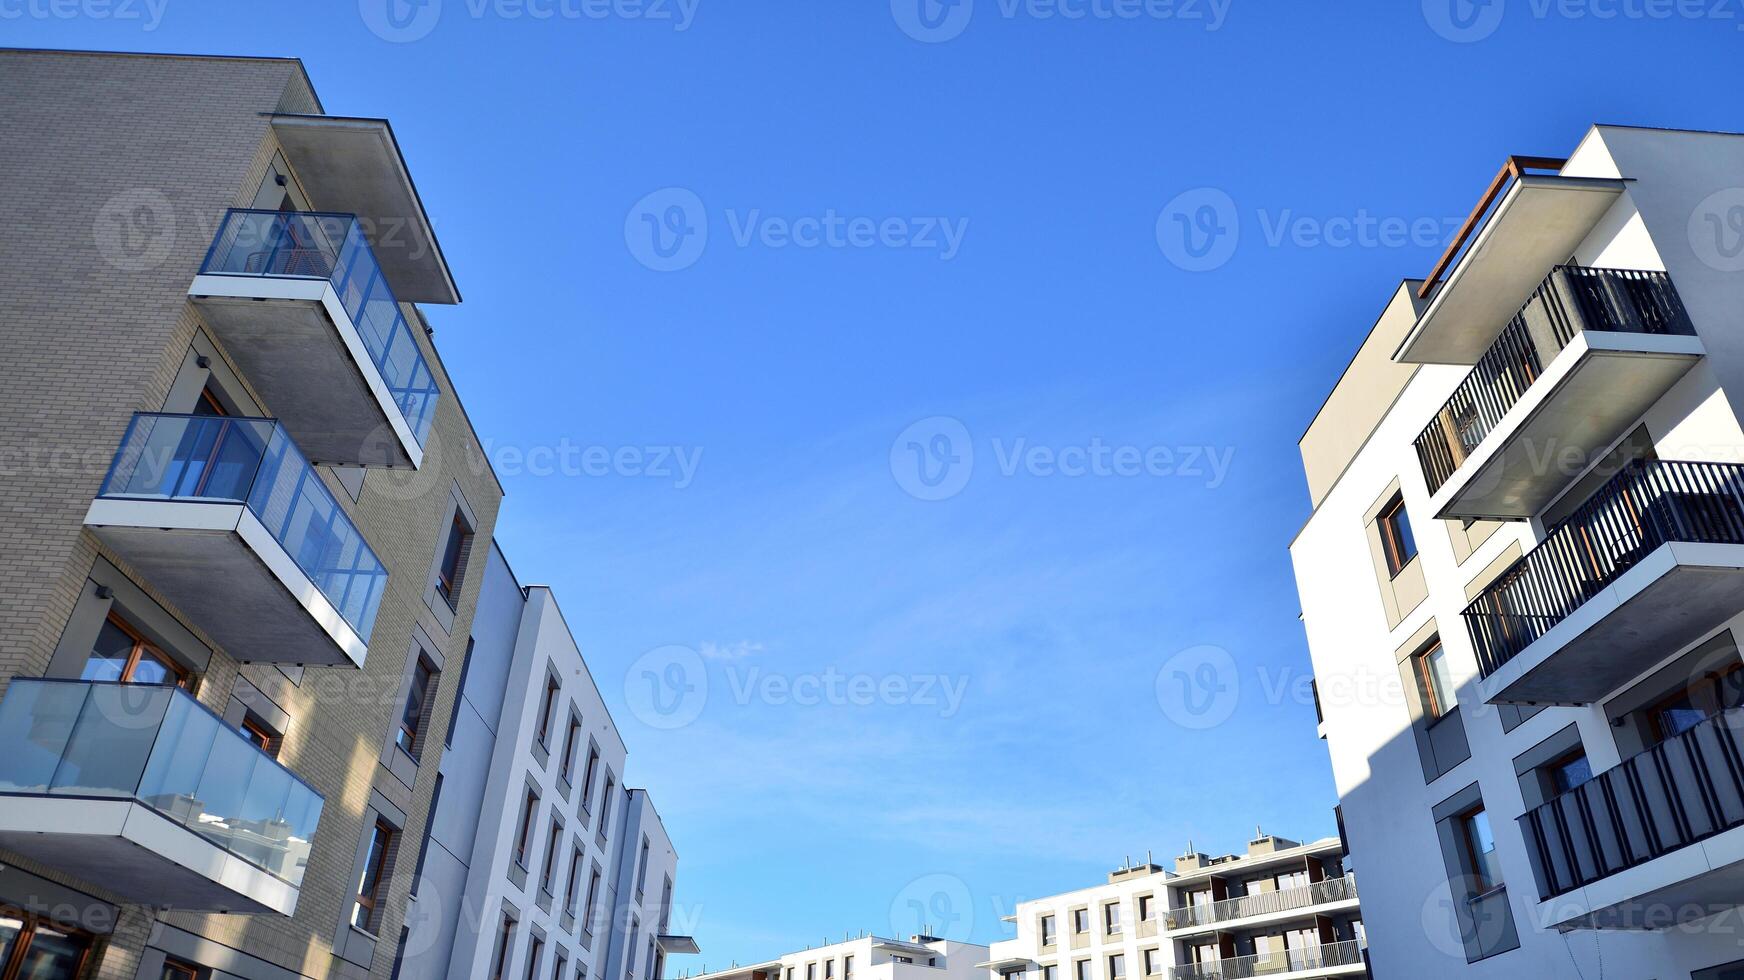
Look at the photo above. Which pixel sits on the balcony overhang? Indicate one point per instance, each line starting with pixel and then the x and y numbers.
pixel 1587 398
pixel 299 348
pixel 685 945
pixel 1540 221
pixel 221 566
pixel 1669 599
pixel 1691 883
pixel 140 855
pixel 354 165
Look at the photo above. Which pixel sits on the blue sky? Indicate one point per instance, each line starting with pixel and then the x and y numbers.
pixel 946 256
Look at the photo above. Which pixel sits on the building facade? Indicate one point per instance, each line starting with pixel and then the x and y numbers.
pixel 869 958
pixel 1521 579
pixel 540 862
pixel 1281 909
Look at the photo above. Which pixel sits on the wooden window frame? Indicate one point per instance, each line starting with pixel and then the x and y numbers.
pixel 140 645
pixel 448 571
pixel 27 933
pixel 259 735
pixel 1433 709
pixel 182 969
pixel 1466 822
pixel 411 728
pixel 1714 679
pixel 370 903
pixel 1392 546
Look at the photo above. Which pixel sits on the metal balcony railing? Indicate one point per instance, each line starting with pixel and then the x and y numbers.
pixel 1265 903
pixel 1329 956
pixel 218 459
pixel 159 747
pixel 1648 503
pixel 1571 299
pixel 1683 790
pixel 316 245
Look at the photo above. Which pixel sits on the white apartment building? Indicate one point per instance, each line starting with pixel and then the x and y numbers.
pixel 539 863
pixel 1523 578
pixel 1282 909
pixel 869 958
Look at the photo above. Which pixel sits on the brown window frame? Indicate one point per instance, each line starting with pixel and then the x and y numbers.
pixel 1392 548
pixel 180 969
pixel 529 816
pixel 412 723
pixel 262 737
pixel 454 549
pixel 28 924
pixel 1464 821
pixel 376 860
pixel 1433 709
pixel 1716 679
pixel 140 646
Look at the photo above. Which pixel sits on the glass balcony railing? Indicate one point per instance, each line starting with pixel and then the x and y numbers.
pixel 312 245
pixel 1570 300
pixel 205 459
pixel 160 747
pixel 1271 964
pixel 1263 903
pixel 1683 790
pixel 1648 503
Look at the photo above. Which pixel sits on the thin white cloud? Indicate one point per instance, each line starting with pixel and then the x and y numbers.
pixel 728 651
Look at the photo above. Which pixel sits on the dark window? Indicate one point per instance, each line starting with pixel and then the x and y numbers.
pixel 557 968
pixel 505 942
pixel 209 403
pixel 605 827
pixel 535 949
pixel 1570 771
pixel 1396 540
pixel 417 696
pixel 524 840
pixel 593 887
pixel 587 777
pixel 569 740
pixel 571 893
pixel 453 554
pixel 121 654
pixel 32 947
pixel 545 709
pixel 261 736
pixel 178 971
pixel 1683 710
pixel 547 875
pixel 1480 846
pixel 364 911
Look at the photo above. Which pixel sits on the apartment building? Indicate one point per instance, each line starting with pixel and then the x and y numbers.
pixel 1521 581
pixel 1281 909
pixel 869 958
pixel 539 862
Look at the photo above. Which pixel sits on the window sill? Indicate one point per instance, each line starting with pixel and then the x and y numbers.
pixel 1487 895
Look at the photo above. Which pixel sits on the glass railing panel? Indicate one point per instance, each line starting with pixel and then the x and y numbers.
pixel 106 753
pixel 36 721
pixel 333 247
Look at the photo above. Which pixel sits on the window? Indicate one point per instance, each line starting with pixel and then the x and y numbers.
pixel 573 892
pixel 642 877
pixel 1111 918
pixel 209 404
pixel 1080 921
pixel 547 876
pixel 545 709
pixel 260 736
pixel 1685 709
pixel 593 887
pixel 35 947
pixel 847 968
pixel 1570 771
pixel 178 971
pixel 1153 962
pixel 1047 930
pixel 557 967
pixel 587 776
pixel 453 557
pixel 535 949
pixel 569 739
pixel 1081 970
pixel 121 654
pixel 1480 844
pixel 1117 967
pixel 524 839
pixel 1146 909
pixel 811 971
pixel 1050 972
pixel 829 970
pixel 1396 540
pixel 605 827
pixel 1434 680
pixel 630 951
pixel 505 943
pixel 412 718
pixel 364 909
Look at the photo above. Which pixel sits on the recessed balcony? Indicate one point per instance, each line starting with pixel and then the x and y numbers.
pixel 1329 960
pixel 300 302
pixel 1649 563
pixel 1652 843
pixel 227 520
pixel 1575 368
pixel 1328 896
pixel 144 791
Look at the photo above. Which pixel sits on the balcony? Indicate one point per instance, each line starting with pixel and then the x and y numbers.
pixel 225 519
pixel 144 791
pixel 1571 372
pixel 1330 960
pixel 1656 837
pixel 1315 895
pixel 300 302
pixel 1648 564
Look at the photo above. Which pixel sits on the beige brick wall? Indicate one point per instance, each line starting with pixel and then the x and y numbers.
pixel 129 162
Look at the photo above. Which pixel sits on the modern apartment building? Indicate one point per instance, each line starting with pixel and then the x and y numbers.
pixel 869 958
pixel 539 862
pixel 1282 909
pixel 1524 572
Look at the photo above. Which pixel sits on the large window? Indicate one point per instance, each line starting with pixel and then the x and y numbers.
pixel 121 654
pixel 412 717
pixel 1080 921
pixel 1111 918
pixel 32 948
pixel 1435 680
pixel 364 910
pixel 453 556
pixel 1396 540
pixel 1480 844
pixel 1117 967
pixel 1047 930
pixel 524 839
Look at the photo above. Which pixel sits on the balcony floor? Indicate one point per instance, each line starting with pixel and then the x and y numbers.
pixel 221 567
pixel 1671 598
pixel 126 848
pixel 299 349
pixel 1586 399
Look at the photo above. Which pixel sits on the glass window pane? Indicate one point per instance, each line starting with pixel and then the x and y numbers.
pixel 109 654
pixel 53 954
